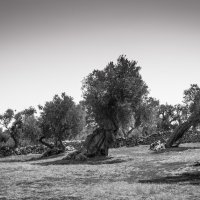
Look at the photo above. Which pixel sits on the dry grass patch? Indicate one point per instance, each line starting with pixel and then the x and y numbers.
pixel 128 173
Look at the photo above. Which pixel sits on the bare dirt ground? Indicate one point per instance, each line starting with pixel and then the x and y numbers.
pixel 128 173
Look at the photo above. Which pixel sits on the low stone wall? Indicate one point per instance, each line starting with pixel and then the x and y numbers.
pixel 189 137
pixel 129 142
pixel 38 149
pixel 155 137
pixel 76 144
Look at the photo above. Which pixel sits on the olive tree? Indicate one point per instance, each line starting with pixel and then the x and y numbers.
pixel 192 116
pixel 111 97
pixel 13 122
pixel 60 119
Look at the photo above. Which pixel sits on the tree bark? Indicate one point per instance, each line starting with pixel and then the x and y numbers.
pixel 41 140
pixel 53 149
pixel 96 144
pixel 178 134
pixel 174 140
pixel 14 131
pixel 61 145
pixel 14 137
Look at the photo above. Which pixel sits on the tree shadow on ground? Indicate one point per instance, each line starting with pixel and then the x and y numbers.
pixel 196 164
pixel 90 161
pixel 29 157
pixel 192 178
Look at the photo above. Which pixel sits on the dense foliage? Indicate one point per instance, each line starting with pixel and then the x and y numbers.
pixel 115 94
pixel 14 123
pixel 60 118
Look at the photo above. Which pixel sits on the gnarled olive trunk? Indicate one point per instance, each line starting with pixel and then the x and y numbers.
pixel 16 141
pixel 58 143
pixel 98 143
pixel 178 134
pixel 41 140
pixel 53 149
pixel 14 133
pixel 174 140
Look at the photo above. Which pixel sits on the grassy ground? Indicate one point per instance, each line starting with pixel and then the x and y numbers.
pixel 128 173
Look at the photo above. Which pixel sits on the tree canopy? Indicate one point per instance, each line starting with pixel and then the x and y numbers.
pixel 14 122
pixel 114 94
pixel 60 118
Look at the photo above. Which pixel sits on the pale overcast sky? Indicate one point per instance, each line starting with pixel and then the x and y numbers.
pixel 48 46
